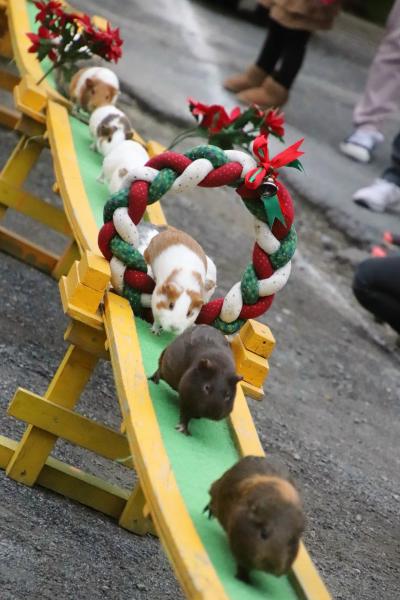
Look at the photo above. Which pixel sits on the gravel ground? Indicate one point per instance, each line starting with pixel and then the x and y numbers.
pixel 330 412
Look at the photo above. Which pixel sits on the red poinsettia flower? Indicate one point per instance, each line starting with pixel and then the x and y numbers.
pixel 42 34
pixel 106 43
pixel 46 9
pixel 213 117
pixel 274 123
pixel 85 22
pixel 268 166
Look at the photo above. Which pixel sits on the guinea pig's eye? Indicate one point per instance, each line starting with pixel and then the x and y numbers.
pixel 171 305
pixel 108 97
pixel 189 313
pixel 264 533
pixel 109 139
pixel 293 541
pixel 207 388
pixel 93 92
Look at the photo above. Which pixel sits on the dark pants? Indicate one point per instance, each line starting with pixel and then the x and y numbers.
pixel 392 173
pixel 376 286
pixel 286 47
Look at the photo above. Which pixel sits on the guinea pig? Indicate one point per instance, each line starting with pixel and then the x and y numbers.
pixel 199 365
pixel 179 267
pixel 99 114
pixel 93 87
pixel 109 128
pixel 261 512
pixel 121 159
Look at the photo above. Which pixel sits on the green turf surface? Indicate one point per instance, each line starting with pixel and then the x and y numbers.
pixel 197 460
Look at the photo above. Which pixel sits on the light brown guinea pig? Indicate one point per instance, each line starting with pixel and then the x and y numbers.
pixel 262 514
pixel 92 87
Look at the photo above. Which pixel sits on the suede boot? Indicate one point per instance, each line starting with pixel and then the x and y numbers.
pixel 252 77
pixel 270 94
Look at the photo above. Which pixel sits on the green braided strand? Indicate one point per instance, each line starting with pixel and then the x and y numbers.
pixel 228 328
pixel 215 155
pixel 161 184
pixel 249 285
pixel 134 299
pixel 128 254
pixel 256 208
pixel 118 200
pixel 285 253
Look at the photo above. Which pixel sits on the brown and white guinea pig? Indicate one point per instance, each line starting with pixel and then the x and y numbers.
pixel 200 366
pixel 93 87
pixel 262 514
pixel 119 161
pixel 179 267
pixel 109 126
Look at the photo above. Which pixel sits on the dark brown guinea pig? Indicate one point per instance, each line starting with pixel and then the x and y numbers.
pixel 199 365
pixel 262 514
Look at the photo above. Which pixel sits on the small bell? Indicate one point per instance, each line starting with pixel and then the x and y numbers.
pixel 268 187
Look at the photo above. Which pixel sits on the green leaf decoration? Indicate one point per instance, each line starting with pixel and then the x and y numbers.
pixel 296 164
pixel 272 209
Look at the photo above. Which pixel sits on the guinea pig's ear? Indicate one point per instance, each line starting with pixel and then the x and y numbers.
pixel 129 135
pixel 90 83
pixel 236 378
pixel 205 364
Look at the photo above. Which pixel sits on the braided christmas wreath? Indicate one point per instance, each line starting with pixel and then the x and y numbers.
pixel 208 166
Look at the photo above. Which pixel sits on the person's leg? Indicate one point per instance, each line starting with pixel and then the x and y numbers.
pixel 384 192
pixel 392 173
pixel 376 286
pixel 382 92
pixel 272 48
pixel 290 47
pixel 293 53
pixel 269 55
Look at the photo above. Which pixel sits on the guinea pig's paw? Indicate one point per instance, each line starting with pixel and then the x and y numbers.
pixel 156 329
pixel 243 574
pixel 182 428
pixel 93 146
pixel 207 509
pixel 100 178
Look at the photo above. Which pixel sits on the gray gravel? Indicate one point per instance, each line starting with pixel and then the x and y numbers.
pixel 331 412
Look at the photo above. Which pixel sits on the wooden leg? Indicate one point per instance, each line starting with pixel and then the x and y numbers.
pixel 135 516
pixel 20 163
pixel 64 390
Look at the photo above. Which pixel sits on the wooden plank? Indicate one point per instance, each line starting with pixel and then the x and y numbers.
pixel 70 426
pixel 69 178
pixel 94 320
pixel 134 517
pixel 171 519
pixel 8 80
pixel 28 252
pixel 89 339
pixel 34 207
pixel 257 338
pixel 65 388
pixel 255 392
pixel 9 117
pixel 73 483
pixel 253 368
pixel 66 260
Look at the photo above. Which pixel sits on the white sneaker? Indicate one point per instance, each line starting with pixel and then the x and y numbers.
pixel 378 196
pixel 361 144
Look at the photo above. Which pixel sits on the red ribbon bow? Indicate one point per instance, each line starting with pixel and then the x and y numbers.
pixel 267 166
